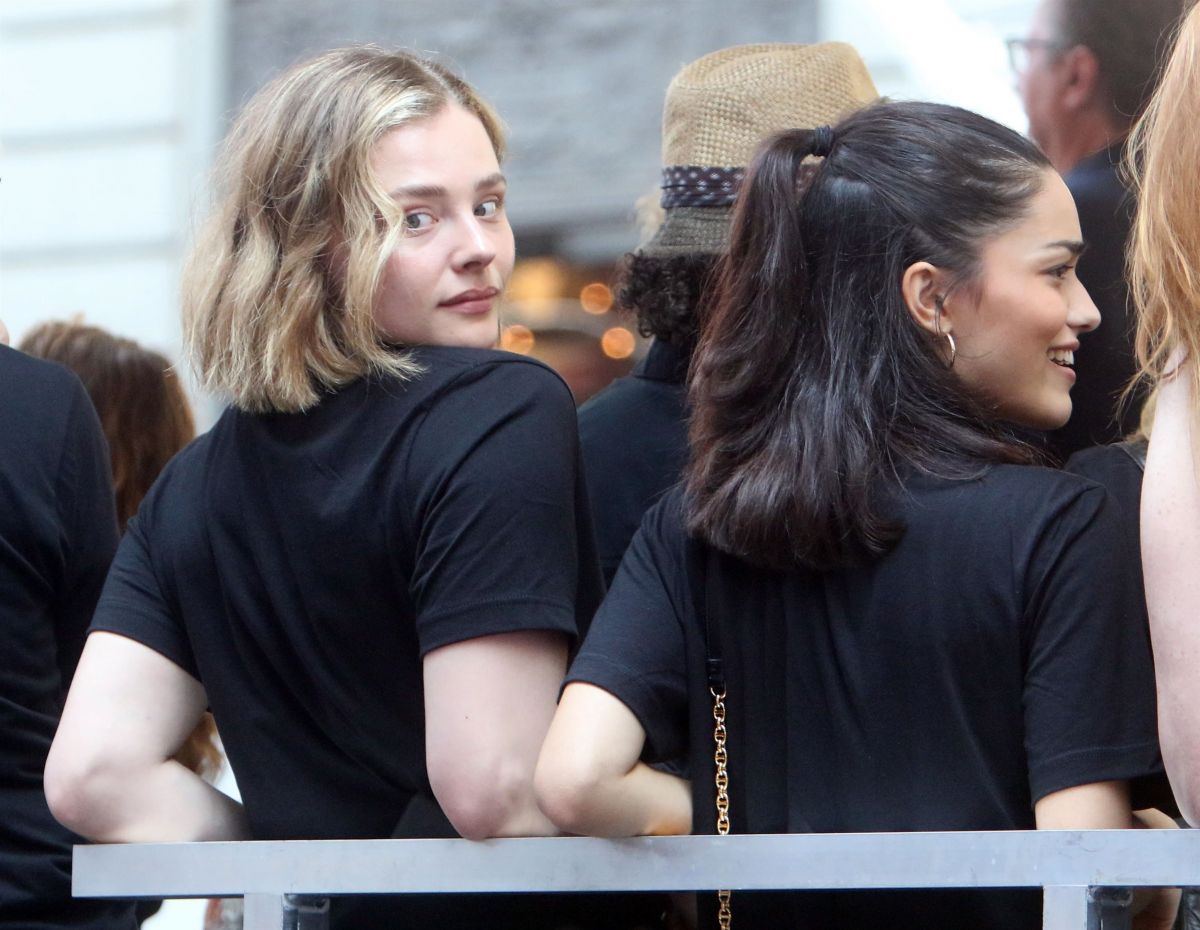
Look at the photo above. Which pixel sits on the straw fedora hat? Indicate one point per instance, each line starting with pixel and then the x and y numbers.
pixel 718 109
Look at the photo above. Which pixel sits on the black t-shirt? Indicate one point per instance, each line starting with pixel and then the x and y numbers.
pixel 1115 468
pixel 301 565
pixel 634 440
pixel 993 657
pixel 58 531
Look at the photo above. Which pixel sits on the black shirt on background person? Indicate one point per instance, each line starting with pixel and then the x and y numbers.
pixel 58 532
pixel 633 436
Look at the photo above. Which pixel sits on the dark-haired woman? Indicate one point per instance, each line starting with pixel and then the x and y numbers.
pixel 919 629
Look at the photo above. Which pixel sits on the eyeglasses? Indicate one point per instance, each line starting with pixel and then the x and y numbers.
pixel 1019 51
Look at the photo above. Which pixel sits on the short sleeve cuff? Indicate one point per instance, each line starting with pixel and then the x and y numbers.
pixel 459 623
pixel 639 695
pixel 1087 766
pixel 167 641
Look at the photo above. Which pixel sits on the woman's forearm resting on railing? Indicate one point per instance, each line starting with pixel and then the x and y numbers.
pixel 590 780
pixel 110 775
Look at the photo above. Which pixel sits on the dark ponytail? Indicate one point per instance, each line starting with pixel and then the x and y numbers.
pixel 812 389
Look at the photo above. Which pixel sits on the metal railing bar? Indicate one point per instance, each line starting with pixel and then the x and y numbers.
pixel 805 861
pixel 262 912
pixel 1065 908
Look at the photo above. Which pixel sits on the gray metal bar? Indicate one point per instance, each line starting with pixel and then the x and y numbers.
pixel 263 912
pixel 1110 908
pixel 305 912
pixel 682 863
pixel 1065 908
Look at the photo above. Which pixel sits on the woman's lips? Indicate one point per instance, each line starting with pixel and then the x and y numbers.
pixel 471 302
pixel 1069 372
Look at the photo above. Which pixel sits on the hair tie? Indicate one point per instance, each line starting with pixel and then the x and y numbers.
pixel 822 141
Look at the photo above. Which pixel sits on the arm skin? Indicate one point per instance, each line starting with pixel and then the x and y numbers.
pixel 488 704
pixel 110 775
pixel 1099 806
pixel 1105 806
pixel 1171 567
pixel 589 779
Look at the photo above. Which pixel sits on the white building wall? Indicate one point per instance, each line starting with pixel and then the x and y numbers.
pixel 109 112
pixel 108 116
pixel 948 51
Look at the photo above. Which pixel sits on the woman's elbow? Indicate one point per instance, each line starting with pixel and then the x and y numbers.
pixel 1179 737
pixel 73 785
pixel 566 792
pixel 487 800
pixel 1185 783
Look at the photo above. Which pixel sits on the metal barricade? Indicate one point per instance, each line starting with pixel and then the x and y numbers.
pixel 1087 875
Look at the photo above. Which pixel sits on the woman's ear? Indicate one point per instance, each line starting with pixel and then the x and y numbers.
pixel 924 290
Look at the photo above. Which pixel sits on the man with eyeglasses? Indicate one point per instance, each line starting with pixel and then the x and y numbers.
pixel 1085 72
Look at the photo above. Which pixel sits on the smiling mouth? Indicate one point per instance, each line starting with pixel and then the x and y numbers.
pixel 1064 358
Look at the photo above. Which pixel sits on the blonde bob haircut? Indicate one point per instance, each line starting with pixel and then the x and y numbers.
pixel 1164 248
pixel 279 289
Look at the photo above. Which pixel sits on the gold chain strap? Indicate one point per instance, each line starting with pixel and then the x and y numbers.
pixel 721 758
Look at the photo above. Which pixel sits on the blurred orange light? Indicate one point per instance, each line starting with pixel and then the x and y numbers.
pixel 618 342
pixel 596 298
pixel 517 338
pixel 537 279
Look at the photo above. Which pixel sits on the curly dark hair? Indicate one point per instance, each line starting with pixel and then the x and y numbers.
pixel 665 293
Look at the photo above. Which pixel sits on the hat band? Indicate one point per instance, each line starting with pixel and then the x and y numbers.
pixel 699 186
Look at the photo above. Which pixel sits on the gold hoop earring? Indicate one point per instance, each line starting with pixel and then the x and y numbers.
pixel 939 302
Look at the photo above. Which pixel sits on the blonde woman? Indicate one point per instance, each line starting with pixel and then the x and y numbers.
pixel 1165 276
pixel 372 567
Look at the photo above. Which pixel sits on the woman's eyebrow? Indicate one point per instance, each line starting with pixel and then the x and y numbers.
pixel 436 190
pixel 1074 246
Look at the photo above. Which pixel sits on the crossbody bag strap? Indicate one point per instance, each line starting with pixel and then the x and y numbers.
pixel 706 600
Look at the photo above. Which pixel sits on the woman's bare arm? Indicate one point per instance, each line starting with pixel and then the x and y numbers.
pixel 1171 566
pixel 110 775
pixel 1105 806
pixel 589 779
pixel 488 704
